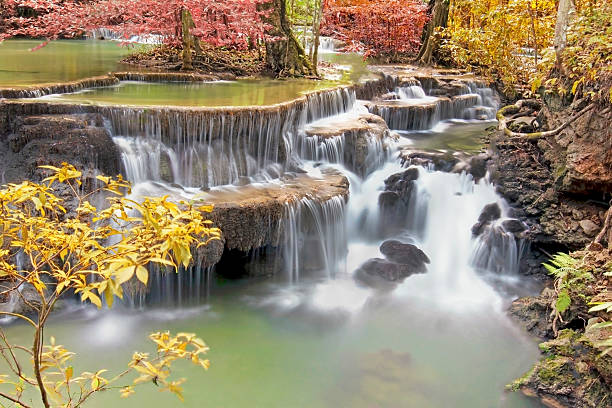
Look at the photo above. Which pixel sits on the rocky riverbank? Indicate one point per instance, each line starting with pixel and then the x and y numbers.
pixel 559 185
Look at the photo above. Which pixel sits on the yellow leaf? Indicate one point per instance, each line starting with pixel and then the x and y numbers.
pixel 126 391
pixel 142 274
pixel 124 274
pixel 95 299
pixel 69 372
pixel 109 296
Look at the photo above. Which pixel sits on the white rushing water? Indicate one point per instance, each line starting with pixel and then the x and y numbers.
pixel 327 239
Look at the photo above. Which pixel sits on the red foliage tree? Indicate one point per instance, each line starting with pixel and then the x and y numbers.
pixel 379 28
pixel 234 23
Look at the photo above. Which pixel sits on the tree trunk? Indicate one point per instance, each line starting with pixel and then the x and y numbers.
pixel 316 28
pixel 285 56
pixel 189 40
pixel 564 15
pixel 532 15
pixel 439 19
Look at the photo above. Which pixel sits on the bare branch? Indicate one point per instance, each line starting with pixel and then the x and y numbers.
pixel 503 125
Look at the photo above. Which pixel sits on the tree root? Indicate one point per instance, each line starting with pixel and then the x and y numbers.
pixel 513 109
pixel 604 229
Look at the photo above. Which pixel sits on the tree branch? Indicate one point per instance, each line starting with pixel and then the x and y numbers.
pixel 16 401
pixel 503 125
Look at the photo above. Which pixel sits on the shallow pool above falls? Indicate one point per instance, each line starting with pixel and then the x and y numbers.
pixel 220 93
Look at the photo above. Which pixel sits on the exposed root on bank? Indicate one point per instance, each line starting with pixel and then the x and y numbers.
pixel 514 109
pixel 605 229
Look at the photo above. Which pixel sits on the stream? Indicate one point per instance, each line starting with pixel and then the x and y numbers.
pixel 312 335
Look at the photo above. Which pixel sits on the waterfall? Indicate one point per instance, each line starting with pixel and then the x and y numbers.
pixel 498 250
pixel 166 288
pixel 204 148
pixel 421 109
pixel 444 208
pixel 103 33
pixel 314 236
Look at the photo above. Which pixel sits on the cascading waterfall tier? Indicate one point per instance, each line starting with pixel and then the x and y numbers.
pixel 361 142
pixel 208 146
pixel 420 103
pixel 314 236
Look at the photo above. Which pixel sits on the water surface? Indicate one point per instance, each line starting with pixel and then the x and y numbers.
pixel 220 93
pixel 59 61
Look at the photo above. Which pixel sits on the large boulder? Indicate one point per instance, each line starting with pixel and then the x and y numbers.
pixel 583 160
pixel 394 201
pixel 402 260
pixel 406 254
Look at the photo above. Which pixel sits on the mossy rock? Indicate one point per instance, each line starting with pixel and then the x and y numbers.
pixel 572 374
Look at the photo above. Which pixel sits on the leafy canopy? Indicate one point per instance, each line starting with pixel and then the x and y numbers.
pixel 233 23
pixel 378 28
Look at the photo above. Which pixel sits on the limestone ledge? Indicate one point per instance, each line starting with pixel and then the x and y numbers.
pixel 251 216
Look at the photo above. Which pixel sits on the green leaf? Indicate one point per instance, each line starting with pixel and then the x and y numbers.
pixel 601 306
pixel 563 301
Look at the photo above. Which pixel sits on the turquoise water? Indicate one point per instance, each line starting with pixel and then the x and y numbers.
pixel 228 93
pixel 274 346
pixel 59 61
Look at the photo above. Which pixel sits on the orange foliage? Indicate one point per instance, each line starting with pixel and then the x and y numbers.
pixel 380 28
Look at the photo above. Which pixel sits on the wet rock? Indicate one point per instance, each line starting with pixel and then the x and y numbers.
pixel 387 200
pixel 384 274
pixel 514 226
pixel 394 202
pixel 406 254
pixel 478 166
pixel 589 227
pixel 534 313
pixel 402 260
pixel 572 373
pixel 440 161
pixel 490 212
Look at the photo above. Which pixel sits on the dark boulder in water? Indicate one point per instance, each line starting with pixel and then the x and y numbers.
pixel 403 260
pixel 395 200
pixel 514 226
pixel 490 212
pixel 406 254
